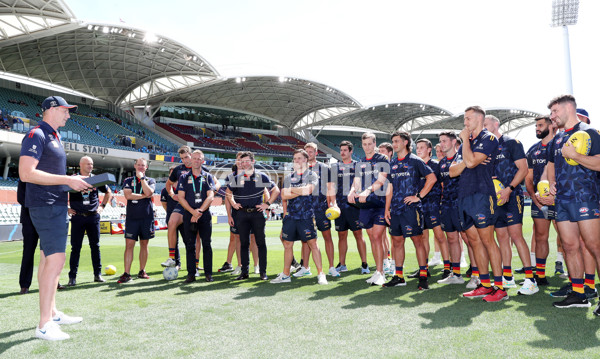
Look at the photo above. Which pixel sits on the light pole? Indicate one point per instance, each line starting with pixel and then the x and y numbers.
pixel 564 13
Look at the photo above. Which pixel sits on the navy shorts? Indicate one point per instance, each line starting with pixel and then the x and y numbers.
pixel 369 217
pixel 407 223
pixel 477 209
pixel 298 229
pixel 510 213
pixel 348 220
pixel 450 220
pixel 323 224
pixel 575 212
pixel 431 217
pixel 139 228
pixel 537 212
pixel 179 209
pixel 52 225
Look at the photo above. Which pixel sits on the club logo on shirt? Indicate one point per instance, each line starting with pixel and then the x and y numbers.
pixel 583 210
pixel 443 166
pixel 558 141
pixel 363 165
pixel 33 149
pixel 395 167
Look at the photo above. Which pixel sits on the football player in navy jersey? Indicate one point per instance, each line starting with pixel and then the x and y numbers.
pixel 348 219
pixel 298 221
pixel 323 198
pixel 176 217
pixel 510 169
pixel 477 201
pixel 403 206
pixel 387 150
pixel 449 221
pixel 368 192
pixel 431 209
pixel 537 158
pixel 574 189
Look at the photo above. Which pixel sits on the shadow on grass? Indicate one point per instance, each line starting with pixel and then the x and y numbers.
pixel 4 346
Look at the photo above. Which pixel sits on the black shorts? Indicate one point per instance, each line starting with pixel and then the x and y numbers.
pixel 298 229
pixel 139 228
pixel 348 220
pixel 407 223
pixel 322 222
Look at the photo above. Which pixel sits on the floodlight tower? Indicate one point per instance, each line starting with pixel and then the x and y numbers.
pixel 564 13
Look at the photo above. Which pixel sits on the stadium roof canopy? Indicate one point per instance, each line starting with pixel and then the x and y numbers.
pixel 510 120
pixel 115 63
pixel 128 67
pixel 387 118
pixel 285 100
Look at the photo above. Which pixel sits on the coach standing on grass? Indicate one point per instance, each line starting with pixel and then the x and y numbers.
pixel 85 218
pixel 196 194
pixel 43 165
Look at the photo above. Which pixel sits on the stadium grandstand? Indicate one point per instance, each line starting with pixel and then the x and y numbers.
pixel 141 94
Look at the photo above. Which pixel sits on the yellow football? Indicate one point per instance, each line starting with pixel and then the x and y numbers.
pixel 110 270
pixel 332 213
pixel 582 142
pixel 543 188
pixel 498 186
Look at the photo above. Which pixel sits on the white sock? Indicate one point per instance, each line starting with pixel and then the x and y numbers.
pixel 533 262
pixel 559 257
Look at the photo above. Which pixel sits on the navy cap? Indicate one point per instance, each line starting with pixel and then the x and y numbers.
pixel 57 101
pixel 582 112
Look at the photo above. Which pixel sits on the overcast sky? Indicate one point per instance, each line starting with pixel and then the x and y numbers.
pixel 452 54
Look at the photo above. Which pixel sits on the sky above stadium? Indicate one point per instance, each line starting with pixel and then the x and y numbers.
pixel 452 54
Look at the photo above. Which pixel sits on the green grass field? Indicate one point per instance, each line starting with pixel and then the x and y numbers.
pixel 226 319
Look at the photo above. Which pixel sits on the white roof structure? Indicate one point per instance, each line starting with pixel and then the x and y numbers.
pixel 128 67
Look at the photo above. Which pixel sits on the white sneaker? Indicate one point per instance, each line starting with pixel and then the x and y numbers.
pixel 302 272
pixel 379 279
pixel 373 277
pixel 281 278
pixel 237 270
pixel 509 283
pixel 333 272
pixel 169 263
pixel 463 262
pixel 452 279
pixel 321 278
pixel 473 283
pixel 62 318
pixel 197 273
pixel 256 270
pixel 436 260
pixel 529 287
pixel 51 331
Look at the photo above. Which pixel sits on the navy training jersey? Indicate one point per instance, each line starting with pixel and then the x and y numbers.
pixel 323 172
pixel 141 208
pixel 368 170
pixel 509 151
pixel 43 143
pixel 300 207
pixel 86 202
pixel 248 190
pixel 345 178
pixel 449 184
pixel 537 158
pixel 432 200
pixel 177 172
pixel 573 183
pixel 478 179
pixel 405 176
pixel 195 188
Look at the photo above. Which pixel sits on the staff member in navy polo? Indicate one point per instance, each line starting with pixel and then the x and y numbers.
pixel 85 218
pixel 245 193
pixel 195 191
pixel 139 217
pixel 43 165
